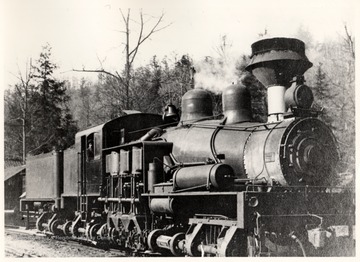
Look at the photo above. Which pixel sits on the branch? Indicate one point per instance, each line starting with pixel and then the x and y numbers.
pixel 350 42
pixel 126 20
pixel 100 71
pixel 152 31
pixel 116 89
pixel 120 78
pixel 42 144
pixel 15 76
pixel 119 31
pixel 139 39
pixel 100 62
pixel 14 119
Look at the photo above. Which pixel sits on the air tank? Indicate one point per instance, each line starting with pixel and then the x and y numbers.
pixel 218 176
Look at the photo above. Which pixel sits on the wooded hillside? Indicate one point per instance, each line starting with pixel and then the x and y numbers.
pixel 42 113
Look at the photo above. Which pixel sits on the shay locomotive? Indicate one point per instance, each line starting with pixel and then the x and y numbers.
pixel 205 186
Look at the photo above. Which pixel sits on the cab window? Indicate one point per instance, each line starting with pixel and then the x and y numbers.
pixel 97 143
pixel 93 150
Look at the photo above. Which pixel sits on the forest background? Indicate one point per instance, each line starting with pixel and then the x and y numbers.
pixel 43 112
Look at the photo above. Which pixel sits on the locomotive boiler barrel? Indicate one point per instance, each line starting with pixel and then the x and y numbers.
pixel 218 176
pixel 199 143
pixel 291 152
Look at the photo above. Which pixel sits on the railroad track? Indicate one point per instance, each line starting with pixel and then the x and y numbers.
pixel 75 244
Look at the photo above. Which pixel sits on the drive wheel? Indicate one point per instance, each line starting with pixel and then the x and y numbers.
pixel 66 228
pixel 152 239
pixel 93 231
pixel 54 227
pixel 174 244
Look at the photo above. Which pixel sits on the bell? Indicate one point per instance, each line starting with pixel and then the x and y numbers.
pixel 171 112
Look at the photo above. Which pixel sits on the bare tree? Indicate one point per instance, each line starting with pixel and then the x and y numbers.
pixel 349 42
pixel 223 49
pixel 36 115
pixel 21 97
pixel 131 51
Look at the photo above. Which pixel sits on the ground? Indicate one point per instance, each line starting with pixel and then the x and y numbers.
pixel 31 244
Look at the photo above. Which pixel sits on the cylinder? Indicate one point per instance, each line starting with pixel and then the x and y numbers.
pixel 218 176
pixel 152 177
pixel 114 166
pixel 124 162
pixel 137 160
pixel 236 102
pixel 196 104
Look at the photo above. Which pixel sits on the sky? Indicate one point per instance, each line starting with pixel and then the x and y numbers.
pixel 82 33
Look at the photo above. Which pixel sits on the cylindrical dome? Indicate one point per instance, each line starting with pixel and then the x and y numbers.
pixel 196 104
pixel 236 101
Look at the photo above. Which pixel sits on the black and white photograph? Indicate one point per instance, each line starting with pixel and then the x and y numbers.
pixel 155 129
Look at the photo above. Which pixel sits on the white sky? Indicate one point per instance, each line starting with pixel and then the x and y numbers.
pixel 81 31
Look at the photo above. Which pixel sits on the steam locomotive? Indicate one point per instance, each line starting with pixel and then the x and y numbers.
pixel 202 185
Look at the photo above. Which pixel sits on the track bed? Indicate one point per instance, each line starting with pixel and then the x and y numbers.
pixel 21 243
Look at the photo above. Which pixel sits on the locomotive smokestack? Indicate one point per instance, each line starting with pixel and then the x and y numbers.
pixel 275 62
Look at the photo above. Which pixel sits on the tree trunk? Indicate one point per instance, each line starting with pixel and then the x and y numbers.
pixel 24 140
pixel 127 67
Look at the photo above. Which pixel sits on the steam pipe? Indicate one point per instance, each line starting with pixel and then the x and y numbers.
pixel 155 132
pixel 58 175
